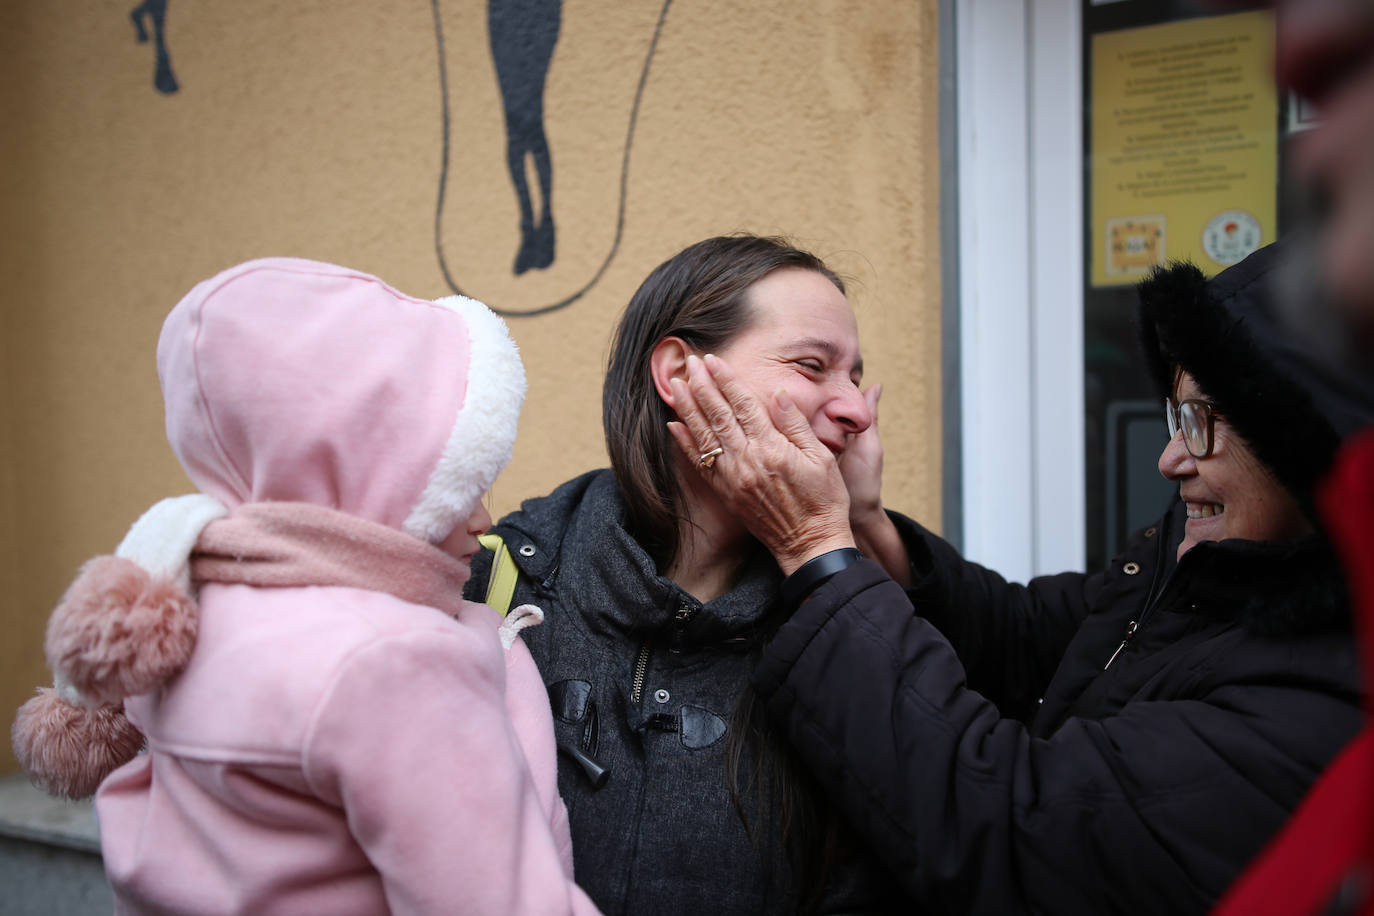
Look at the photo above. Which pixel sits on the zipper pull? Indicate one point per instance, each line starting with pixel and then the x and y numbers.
pixel 681 618
pixel 1130 631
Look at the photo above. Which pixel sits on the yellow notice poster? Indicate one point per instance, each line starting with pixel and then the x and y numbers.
pixel 1184 155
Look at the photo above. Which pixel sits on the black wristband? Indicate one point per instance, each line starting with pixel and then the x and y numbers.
pixel 809 576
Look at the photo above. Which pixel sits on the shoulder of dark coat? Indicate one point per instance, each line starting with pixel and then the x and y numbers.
pixel 534 532
pixel 542 513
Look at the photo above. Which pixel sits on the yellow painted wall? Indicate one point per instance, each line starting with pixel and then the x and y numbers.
pixel 314 129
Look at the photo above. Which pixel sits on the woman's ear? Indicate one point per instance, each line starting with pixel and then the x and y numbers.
pixel 667 362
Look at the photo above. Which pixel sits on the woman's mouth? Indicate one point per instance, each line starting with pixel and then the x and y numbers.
pixel 1205 510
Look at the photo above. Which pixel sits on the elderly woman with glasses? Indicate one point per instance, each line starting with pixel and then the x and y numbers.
pixel 1117 742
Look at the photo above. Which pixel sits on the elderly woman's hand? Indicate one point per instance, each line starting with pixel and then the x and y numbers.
pixel 773 472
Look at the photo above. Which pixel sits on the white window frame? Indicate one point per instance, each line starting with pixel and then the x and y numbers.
pixel 1020 269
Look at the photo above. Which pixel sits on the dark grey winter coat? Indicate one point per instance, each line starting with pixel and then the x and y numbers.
pixel 645 681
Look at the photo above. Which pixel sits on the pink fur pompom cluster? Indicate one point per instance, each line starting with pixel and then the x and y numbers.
pixel 67 749
pixel 117 632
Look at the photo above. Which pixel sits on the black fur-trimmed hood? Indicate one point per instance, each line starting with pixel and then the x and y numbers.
pixel 1292 407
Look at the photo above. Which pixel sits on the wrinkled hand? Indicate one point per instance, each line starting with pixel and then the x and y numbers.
pixel 775 475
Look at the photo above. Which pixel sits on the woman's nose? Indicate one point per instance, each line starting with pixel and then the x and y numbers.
pixel 1174 461
pixel 851 410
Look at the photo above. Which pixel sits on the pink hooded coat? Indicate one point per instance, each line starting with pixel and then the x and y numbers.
pixel 335 743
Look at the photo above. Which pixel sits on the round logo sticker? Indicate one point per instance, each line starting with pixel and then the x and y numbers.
pixel 1230 235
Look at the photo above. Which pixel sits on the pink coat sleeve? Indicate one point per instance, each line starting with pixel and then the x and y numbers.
pixel 414 742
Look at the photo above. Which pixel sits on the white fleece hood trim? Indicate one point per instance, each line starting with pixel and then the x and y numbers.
pixel 483 435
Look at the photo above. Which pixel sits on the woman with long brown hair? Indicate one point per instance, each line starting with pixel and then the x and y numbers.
pixel 657 600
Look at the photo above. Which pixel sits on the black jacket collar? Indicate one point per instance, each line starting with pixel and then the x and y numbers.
pixel 1272 588
pixel 576 542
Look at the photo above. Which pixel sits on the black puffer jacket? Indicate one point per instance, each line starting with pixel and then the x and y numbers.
pixel 1142 788
pixel 645 681
pixel 1186 707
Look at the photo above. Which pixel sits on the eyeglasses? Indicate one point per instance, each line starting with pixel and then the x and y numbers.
pixel 1195 418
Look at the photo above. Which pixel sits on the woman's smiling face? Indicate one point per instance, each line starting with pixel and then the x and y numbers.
pixel 803 337
pixel 1230 493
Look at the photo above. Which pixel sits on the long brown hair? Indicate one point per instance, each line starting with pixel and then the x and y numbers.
pixel 699 295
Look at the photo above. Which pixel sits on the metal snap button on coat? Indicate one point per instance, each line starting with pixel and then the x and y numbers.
pixel 661 695
pixel 1131 568
pixel 1150 532
pixel 526 550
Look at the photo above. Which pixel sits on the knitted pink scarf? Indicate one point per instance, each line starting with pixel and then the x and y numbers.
pixel 296 544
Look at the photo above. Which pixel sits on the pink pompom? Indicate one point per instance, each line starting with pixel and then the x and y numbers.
pixel 118 632
pixel 67 750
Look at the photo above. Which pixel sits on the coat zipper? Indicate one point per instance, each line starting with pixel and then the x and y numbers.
pixel 1156 592
pixel 1130 631
pixel 684 613
pixel 641 670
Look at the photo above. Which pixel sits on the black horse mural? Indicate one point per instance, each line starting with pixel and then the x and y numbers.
pixel 156 10
pixel 523 34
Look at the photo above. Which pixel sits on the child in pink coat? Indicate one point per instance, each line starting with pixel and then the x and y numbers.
pixel 328 726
